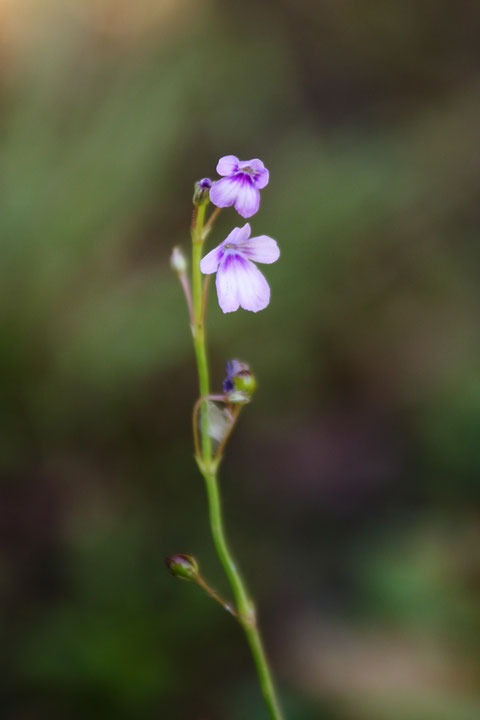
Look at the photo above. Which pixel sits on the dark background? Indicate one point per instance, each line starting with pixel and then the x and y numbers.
pixel 351 485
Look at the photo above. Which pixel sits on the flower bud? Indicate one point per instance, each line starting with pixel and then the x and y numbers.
pixel 239 379
pixel 178 261
pixel 182 566
pixel 201 191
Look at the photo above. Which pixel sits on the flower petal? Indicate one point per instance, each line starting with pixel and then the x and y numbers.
pixel 226 286
pixel 240 282
pixel 253 289
pixel 224 192
pixel 227 165
pixel 262 248
pixel 260 173
pixel 238 236
pixel 248 198
pixel 209 263
pixel 262 178
pixel 256 164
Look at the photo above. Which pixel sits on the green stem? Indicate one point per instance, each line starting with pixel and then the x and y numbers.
pixel 199 328
pixel 263 670
pixel 245 606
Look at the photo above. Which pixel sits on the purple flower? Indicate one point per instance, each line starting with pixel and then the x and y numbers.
pixel 239 281
pixel 240 185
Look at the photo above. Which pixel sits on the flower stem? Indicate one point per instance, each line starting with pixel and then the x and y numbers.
pixel 245 606
pixel 199 327
pixel 210 222
pixel 215 596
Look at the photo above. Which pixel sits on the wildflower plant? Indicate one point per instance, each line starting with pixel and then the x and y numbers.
pixel 239 283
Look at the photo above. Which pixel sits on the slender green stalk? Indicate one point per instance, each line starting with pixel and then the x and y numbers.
pixel 198 327
pixel 245 606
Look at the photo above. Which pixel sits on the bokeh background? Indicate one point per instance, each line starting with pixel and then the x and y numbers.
pixel 351 485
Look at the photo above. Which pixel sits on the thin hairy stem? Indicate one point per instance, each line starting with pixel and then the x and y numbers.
pixel 216 596
pixel 206 283
pixel 188 294
pixel 210 222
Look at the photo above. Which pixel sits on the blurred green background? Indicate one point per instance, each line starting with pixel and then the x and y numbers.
pixel 351 485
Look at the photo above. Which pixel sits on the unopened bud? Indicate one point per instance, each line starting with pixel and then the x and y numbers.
pixel 178 261
pixel 182 566
pixel 201 191
pixel 239 379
